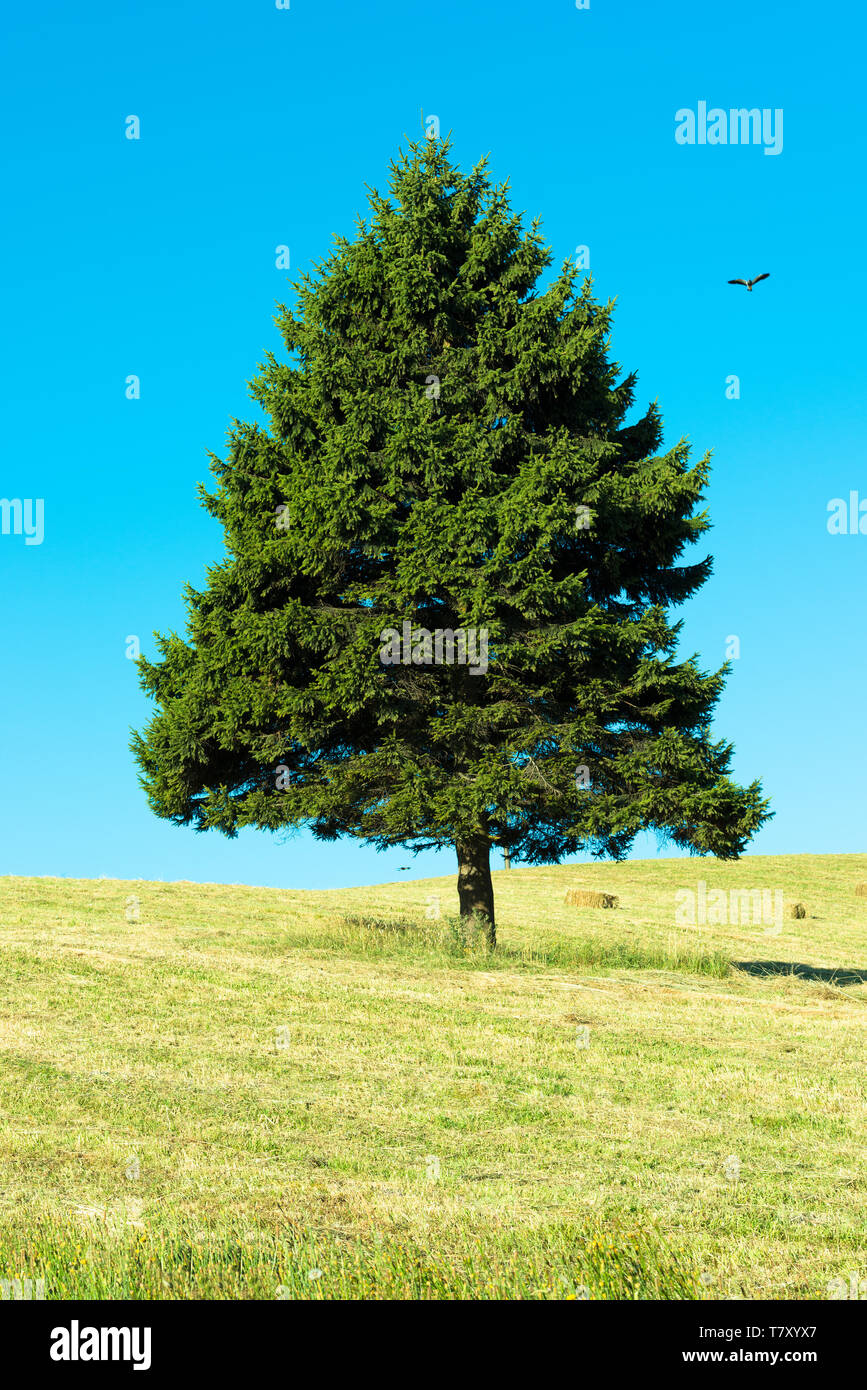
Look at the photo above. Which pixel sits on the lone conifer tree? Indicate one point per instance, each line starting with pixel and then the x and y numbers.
pixel 447 455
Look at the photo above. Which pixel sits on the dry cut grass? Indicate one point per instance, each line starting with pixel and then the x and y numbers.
pixel 229 1092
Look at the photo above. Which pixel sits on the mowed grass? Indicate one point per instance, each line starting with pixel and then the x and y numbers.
pixel 250 1093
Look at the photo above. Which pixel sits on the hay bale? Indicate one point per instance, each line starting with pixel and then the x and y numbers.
pixel 861 890
pixel 582 897
pixel 797 910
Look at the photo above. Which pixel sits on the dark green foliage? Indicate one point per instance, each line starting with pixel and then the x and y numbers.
pixel 456 510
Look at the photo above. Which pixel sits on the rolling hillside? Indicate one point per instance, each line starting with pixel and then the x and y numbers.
pixel 214 1091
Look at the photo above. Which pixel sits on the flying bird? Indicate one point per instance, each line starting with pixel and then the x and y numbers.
pixel 749 283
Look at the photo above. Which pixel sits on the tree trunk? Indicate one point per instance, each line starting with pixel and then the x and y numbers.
pixel 507 859
pixel 475 889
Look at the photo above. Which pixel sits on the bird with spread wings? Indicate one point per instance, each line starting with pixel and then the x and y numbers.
pixel 749 283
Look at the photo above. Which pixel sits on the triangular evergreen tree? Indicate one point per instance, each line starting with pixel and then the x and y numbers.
pixel 447 451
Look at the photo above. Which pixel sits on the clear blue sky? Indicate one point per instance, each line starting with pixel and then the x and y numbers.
pixel 260 127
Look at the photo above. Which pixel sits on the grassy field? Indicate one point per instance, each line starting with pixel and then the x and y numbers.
pixel 229 1092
